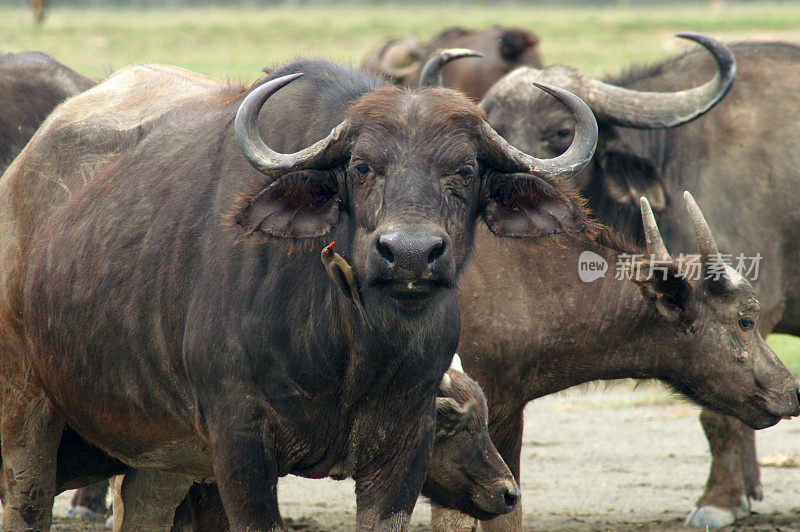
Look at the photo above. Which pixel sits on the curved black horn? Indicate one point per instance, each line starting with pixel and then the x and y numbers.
pixel 639 109
pixel 507 157
pixel 268 161
pixel 431 75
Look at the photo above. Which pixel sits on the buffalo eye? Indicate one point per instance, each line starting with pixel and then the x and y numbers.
pixel 465 172
pixel 746 324
pixel 361 169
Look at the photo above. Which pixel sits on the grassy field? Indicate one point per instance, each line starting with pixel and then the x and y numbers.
pixel 237 42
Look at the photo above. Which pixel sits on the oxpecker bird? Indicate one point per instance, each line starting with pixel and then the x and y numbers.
pixel 342 274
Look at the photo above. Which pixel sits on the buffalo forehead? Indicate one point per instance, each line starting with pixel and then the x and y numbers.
pixel 418 116
pixel 518 84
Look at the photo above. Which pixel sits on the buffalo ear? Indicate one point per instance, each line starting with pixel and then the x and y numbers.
pixel 628 177
pixel 301 204
pixel 514 43
pixel 669 292
pixel 525 206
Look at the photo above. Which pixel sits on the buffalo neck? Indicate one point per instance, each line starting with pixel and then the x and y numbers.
pixel 528 313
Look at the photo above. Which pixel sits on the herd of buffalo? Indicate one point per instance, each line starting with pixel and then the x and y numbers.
pixel 206 286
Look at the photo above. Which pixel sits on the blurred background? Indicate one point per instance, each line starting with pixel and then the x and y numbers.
pixel 237 39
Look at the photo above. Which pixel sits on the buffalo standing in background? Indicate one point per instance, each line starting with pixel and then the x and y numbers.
pixel 167 301
pixel 503 49
pixel 741 162
pixel 31 85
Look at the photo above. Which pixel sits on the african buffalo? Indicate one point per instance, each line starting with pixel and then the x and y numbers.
pixel 502 50
pixel 741 162
pixel 520 338
pixel 162 292
pixel 31 85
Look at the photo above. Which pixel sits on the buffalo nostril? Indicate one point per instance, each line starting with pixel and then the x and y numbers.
pixel 385 251
pixel 411 254
pixel 511 496
pixel 436 252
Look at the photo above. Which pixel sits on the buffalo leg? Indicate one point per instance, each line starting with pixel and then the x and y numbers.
pixel 146 500
pixel 386 498
pixel 90 501
pixel 246 472
pixel 750 470
pixel 38 10
pixel 445 520
pixel 724 498
pixel 30 435
pixel 201 510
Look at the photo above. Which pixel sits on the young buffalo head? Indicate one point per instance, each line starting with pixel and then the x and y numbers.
pixel 707 332
pixel 399 184
pixel 537 127
pixel 466 473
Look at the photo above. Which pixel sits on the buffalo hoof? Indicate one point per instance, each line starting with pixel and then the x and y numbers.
pixel 710 516
pixel 84 513
pixel 757 493
pixel 716 517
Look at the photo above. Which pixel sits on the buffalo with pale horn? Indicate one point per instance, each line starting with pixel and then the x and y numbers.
pixel 523 337
pixel 736 153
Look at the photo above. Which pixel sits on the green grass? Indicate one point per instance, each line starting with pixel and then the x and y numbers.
pixel 788 349
pixel 238 41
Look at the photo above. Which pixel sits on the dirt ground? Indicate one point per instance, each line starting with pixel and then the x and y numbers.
pixel 593 460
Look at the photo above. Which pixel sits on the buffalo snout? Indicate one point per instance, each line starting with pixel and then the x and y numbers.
pixel 789 404
pixel 505 497
pixel 411 263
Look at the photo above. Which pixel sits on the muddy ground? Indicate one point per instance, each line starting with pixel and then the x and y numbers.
pixel 593 460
